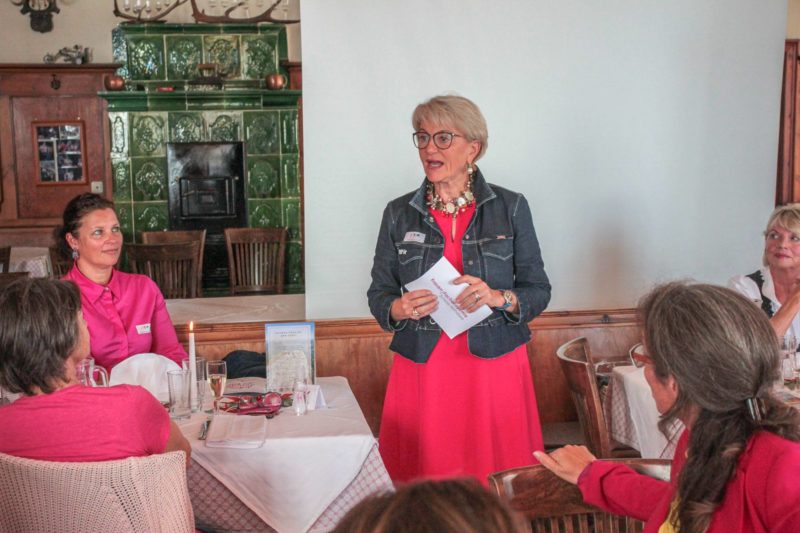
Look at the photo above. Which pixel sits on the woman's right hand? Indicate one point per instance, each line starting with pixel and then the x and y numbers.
pixel 414 305
pixel 567 462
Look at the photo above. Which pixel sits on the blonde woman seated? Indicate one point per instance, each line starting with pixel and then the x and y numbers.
pixel 712 362
pixel 43 337
pixel 776 286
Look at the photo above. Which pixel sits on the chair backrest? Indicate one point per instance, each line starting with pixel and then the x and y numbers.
pixel 552 504
pixel 61 265
pixel 6 278
pixel 176 236
pixel 5 258
pixel 575 362
pixel 256 259
pixel 172 266
pixel 138 494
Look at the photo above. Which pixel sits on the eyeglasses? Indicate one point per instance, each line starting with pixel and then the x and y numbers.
pixel 442 139
pixel 638 358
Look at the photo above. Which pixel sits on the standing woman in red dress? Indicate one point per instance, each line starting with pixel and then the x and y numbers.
pixel 463 406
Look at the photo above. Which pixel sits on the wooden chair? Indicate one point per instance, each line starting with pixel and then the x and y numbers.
pixel 5 258
pixel 552 504
pixel 176 236
pixel 6 278
pixel 172 266
pixel 61 265
pixel 256 259
pixel 582 382
pixel 137 494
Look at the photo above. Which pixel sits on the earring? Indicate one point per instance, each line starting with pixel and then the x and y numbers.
pixel 75 254
pixel 470 168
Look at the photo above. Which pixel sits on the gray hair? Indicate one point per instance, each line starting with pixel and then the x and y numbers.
pixel 38 332
pixel 457 112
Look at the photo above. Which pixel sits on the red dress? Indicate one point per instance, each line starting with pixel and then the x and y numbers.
pixel 459 415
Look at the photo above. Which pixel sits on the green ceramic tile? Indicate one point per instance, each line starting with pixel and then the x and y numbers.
pixel 289 142
pixel 119 50
pixel 119 134
pixel 146 58
pixel 184 53
pixel 224 51
pixel 125 216
pixel 121 170
pixel 261 132
pixel 294 264
pixel 291 217
pixel 223 126
pixel 148 133
pixel 259 56
pixel 150 217
pixel 263 177
pixel 186 127
pixel 290 176
pixel 149 179
pixel 265 213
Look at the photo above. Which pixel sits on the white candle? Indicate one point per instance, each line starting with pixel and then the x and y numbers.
pixel 193 366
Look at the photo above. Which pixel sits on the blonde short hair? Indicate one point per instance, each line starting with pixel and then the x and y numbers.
pixel 456 112
pixel 784 216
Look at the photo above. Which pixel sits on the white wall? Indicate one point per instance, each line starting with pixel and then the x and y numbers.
pixel 87 23
pixel 643 132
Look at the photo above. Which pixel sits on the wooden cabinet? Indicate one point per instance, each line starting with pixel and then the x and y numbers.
pixel 43 166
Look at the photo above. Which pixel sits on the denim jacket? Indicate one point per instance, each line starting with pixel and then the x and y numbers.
pixel 499 246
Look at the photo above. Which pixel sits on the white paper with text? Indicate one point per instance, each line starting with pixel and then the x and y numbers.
pixel 439 280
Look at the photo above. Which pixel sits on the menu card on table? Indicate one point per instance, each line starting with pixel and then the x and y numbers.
pixel 290 355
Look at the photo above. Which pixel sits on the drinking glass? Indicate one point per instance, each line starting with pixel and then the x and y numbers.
pixel 86 370
pixel 300 397
pixel 179 405
pixel 788 362
pixel 198 389
pixel 217 375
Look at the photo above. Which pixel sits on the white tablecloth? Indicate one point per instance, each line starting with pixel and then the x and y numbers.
pixel 632 415
pixel 31 259
pixel 305 464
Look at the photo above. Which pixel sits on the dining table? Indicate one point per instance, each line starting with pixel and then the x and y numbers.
pixel 632 416
pixel 310 470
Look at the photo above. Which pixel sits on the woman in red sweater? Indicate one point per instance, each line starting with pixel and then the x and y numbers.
pixel 712 362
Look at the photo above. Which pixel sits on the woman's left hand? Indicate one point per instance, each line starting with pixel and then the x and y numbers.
pixel 477 294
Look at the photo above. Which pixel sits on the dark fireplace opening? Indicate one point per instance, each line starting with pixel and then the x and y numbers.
pixel 207 190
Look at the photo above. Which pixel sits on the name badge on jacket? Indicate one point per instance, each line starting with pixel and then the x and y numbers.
pixel 414 236
pixel 143 329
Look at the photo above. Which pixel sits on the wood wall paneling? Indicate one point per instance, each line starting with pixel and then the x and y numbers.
pixel 359 350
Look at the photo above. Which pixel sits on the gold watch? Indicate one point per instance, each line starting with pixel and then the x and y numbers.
pixel 508 298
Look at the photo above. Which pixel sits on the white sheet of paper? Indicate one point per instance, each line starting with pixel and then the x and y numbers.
pixel 439 280
pixel 316 400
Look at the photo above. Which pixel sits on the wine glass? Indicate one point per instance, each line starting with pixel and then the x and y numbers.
pixel 217 375
pixel 788 352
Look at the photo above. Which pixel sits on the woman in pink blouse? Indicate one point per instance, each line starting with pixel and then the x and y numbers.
pixel 126 313
pixel 712 362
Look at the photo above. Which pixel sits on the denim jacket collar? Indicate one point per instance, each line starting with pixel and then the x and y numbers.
pixel 480 189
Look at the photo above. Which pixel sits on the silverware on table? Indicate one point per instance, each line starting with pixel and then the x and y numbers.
pixel 204 429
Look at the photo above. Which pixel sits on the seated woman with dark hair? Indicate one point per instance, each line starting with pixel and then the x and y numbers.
pixel 712 362
pixel 43 337
pixel 449 506
pixel 126 313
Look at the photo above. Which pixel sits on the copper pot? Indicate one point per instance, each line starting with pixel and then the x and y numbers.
pixel 276 81
pixel 114 82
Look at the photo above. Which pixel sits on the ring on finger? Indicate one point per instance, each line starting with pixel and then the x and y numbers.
pixel 476 295
pixel 415 313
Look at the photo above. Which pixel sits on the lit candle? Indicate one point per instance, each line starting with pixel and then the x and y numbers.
pixel 193 367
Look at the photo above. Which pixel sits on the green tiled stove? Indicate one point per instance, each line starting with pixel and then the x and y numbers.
pixel 165 101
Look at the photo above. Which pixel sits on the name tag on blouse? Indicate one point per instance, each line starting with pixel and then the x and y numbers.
pixel 143 329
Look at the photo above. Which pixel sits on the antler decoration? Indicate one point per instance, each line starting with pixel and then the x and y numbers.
pixel 143 10
pixel 41 13
pixel 200 15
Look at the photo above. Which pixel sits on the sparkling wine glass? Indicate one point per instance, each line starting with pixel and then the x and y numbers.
pixel 217 375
